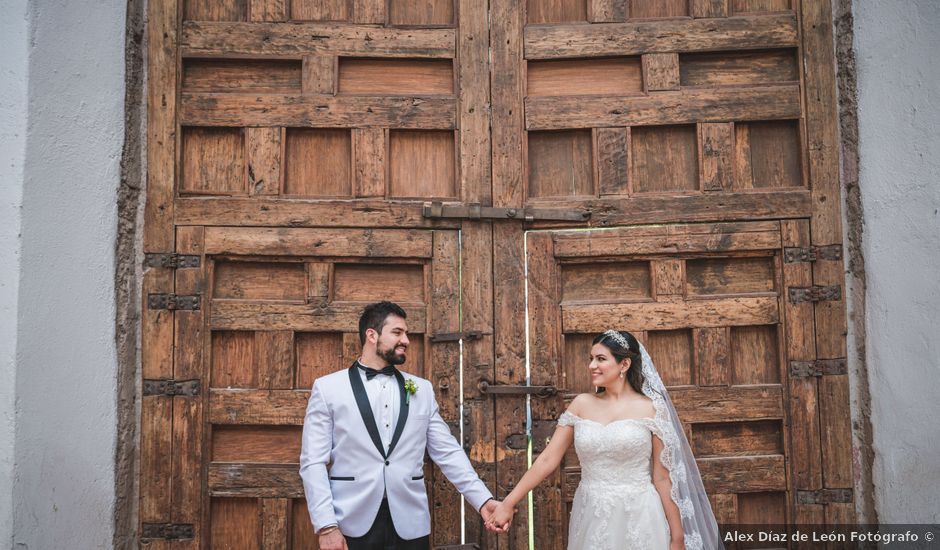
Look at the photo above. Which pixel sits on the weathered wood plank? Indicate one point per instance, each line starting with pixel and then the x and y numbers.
pixel 641 209
pixel 274 512
pixel 741 474
pixel 677 107
pixel 265 155
pixel 255 480
pixel 370 146
pixel 510 352
pixel 668 277
pixel 836 431
pixel 720 312
pixel 162 40
pixel 719 404
pixel 303 213
pixel 709 8
pixel 319 75
pixel 712 356
pixel 228 315
pixel 476 287
pixel 190 339
pixel 717 155
pixel 270 407
pixel 429 113
pixel 543 295
pixel 607 11
pixel 230 39
pixel 507 84
pixel 365 243
pixel 612 154
pixel 156 472
pixel 186 459
pixel 268 10
pixel 473 73
pixel 673 239
pixel 799 330
pixel 369 12
pixel 635 38
pixel 157 326
pixel 660 71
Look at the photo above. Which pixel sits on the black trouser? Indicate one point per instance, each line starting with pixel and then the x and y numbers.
pixel 382 535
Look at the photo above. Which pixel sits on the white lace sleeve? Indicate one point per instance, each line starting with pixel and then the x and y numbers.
pixel 567 419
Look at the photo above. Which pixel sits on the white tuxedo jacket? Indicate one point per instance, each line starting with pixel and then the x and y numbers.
pixel 346 472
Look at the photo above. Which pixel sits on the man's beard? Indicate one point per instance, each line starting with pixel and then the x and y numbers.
pixel 391 357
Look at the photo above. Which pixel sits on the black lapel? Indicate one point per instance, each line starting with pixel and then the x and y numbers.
pixel 359 390
pixel 402 411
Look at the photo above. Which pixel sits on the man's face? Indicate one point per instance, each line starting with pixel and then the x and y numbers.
pixel 392 343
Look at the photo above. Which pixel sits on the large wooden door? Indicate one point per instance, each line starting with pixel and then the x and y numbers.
pixel 306 157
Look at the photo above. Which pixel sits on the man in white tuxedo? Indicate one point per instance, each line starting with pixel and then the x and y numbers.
pixel 365 435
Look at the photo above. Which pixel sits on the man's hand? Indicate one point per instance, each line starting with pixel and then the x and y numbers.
pixel 334 540
pixel 497 516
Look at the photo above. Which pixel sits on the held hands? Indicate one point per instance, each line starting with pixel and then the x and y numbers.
pixel 498 517
pixel 333 540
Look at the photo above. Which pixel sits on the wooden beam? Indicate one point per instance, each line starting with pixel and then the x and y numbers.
pixel 261 212
pixel 683 35
pixel 229 315
pixel 425 113
pixel 677 107
pixel 293 41
pixel 719 312
pixel 364 243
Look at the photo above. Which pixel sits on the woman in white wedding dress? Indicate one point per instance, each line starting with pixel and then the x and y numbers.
pixel 640 487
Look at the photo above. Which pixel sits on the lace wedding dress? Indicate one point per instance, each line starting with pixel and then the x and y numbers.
pixel 616 506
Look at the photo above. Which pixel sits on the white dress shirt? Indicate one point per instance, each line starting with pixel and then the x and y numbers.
pixel 385 401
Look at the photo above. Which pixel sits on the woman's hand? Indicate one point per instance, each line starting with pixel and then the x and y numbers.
pixel 677 544
pixel 500 518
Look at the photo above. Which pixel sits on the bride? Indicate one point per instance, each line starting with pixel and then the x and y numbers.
pixel 640 487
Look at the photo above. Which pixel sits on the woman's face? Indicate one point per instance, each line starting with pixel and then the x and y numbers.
pixel 605 370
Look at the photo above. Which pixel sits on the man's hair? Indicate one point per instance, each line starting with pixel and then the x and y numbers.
pixel 374 316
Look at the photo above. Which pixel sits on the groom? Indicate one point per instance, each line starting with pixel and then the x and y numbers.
pixel 365 434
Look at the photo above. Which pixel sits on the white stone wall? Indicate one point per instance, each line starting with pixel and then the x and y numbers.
pixel 13 94
pixel 63 491
pixel 896 45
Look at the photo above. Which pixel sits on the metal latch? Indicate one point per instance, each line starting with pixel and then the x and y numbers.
pixel 173 302
pixel 188 388
pixel 456 336
pixel 477 212
pixel 170 260
pixel 824 496
pixel 167 531
pixel 814 293
pixel 812 253
pixel 538 391
pixel 820 367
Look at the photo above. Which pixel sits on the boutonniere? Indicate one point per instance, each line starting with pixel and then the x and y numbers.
pixel 410 389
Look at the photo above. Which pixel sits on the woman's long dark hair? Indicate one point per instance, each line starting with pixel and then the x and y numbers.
pixel 635 372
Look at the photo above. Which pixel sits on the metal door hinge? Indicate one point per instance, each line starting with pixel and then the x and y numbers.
pixel 542 431
pixel 456 336
pixel 824 496
pixel 170 260
pixel 477 212
pixel 507 389
pixel 820 367
pixel 188 388
pixel 173 301
pixel 814 293
pixel 167 531
pixel 812 253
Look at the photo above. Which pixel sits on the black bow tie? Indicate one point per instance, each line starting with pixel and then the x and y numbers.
pixel 372 373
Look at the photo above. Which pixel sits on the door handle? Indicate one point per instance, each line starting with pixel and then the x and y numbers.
pixel 506 389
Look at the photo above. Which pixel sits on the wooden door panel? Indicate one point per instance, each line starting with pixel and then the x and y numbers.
pixel 710 319
pixel 279 318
